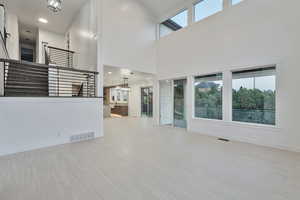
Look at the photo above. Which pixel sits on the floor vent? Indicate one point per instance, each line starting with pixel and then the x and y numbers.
pixel 82 137
pixel 223 140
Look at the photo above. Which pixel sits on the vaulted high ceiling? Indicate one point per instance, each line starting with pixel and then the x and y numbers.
pixel 29 11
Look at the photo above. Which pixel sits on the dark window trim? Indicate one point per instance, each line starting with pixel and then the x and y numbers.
pixel 172 25
pixel 209 76
pixel 254 70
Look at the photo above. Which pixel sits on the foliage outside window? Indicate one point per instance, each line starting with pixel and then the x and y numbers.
pixel 206 8
pixel 254 96
pixel 175 23
pixel 208 96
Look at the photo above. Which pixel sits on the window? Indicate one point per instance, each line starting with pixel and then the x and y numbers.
pixel 173 24
pixel 234 2
pixel 208 96
pixel 253 98
pixel 206 8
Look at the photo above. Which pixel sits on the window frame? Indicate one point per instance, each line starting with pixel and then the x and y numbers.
pixel 170 17
pixel 230 95
pixel 227 97
pixel 194 97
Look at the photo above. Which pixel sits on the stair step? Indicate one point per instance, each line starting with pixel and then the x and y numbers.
pixel 20 84
pixel 25 87
pixel 29 67
pixel 25 94
pixel 27 72
pixel 14 77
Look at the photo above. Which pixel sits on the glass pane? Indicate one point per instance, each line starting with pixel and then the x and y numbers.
pixel 208 96
pixel 179 103
pixel 254 96
pixel 181 19
pixel 173 24
pixel 164 30
pixel 236 1
pixel 147 102
pixel 206 8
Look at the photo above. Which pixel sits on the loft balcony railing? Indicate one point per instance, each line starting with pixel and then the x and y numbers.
pixel 58 56
pixel 26 79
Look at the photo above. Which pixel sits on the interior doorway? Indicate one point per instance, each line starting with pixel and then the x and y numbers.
pixel 147 101
pixel 179 111
pixel 127 93
pixel 27 53
pixel 28 42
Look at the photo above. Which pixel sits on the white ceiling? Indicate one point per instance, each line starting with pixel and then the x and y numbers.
pixel 114 76
pixel 29 11
pixel 28 34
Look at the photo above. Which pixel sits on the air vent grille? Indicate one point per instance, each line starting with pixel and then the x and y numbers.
pixel 82 137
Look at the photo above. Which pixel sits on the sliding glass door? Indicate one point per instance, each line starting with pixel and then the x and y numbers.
pixel 179 103
pixel 147 101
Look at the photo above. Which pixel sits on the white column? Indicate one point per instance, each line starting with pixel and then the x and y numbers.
pixel 156 101
pixel 191 14
pixel 99 77
pixel 189 100
pixel 227 96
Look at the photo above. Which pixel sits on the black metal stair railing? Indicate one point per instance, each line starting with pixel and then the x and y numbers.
pixel 58 56
pixel 26 79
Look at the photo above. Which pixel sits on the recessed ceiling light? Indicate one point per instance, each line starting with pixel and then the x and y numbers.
pixel 109 72
pixel 43 20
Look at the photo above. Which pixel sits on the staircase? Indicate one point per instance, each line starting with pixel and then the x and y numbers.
pixel 24 79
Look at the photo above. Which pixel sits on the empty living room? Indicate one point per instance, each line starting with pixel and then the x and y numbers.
pixel 149 100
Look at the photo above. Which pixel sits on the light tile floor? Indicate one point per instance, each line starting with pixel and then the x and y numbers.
pixel 139 161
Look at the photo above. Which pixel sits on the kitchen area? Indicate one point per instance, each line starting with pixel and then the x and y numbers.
pixel 127 93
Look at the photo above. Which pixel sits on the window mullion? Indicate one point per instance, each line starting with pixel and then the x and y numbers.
pixel 227 96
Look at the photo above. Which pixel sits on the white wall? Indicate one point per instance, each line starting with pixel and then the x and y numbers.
pixel 31 123
pixel 165 102
pixel 53 39
pixel 13 41
pixel 83 36
pixel 129 35
pixel 252 33
pixel 134 104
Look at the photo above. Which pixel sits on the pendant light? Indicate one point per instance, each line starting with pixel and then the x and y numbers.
pixel 54 5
